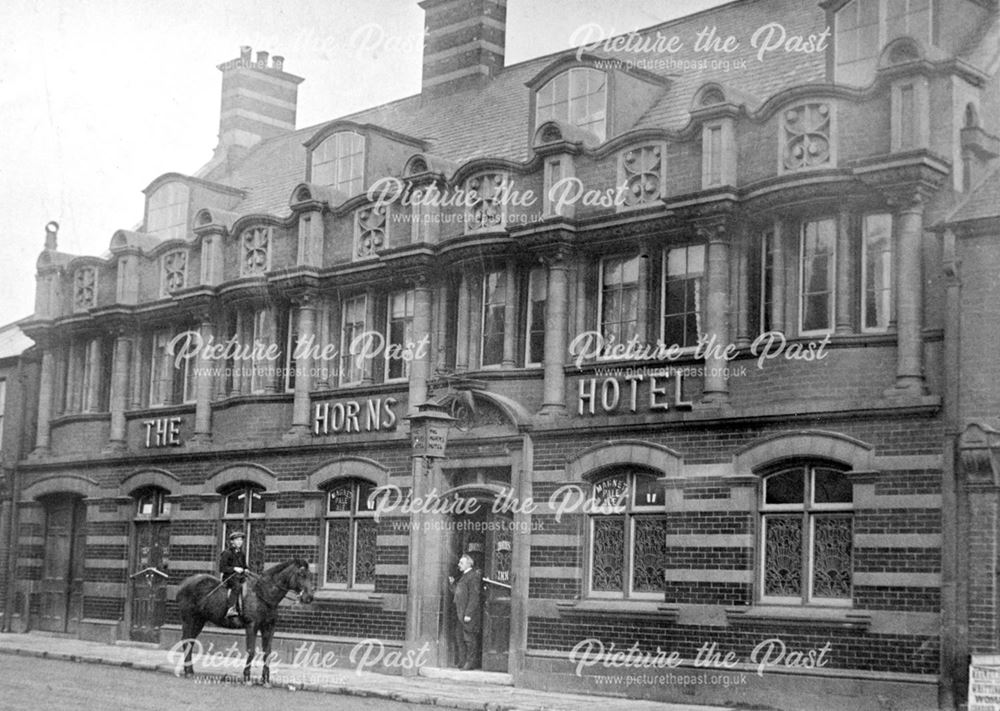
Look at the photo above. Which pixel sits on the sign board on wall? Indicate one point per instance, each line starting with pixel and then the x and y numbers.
pixel 984 683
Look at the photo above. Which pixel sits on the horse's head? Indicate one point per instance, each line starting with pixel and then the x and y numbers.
pixel 300 580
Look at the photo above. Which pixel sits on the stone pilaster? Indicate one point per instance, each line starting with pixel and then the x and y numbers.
pixel 119 396
pixel 44 403
pixel 303 365
pixel 554 396
pixel 910 295
pixel 509 316
pixel 716 384
pixel 844 281
pixel 203 385
pixel 420 366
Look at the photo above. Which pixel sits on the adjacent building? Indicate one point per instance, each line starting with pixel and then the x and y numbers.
pixel 717 329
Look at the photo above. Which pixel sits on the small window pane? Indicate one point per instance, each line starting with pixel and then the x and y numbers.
pixel 611 493
pixel 785 488
pixel 609 554
pixel 783 556
pixel 831 487
pixel 338 546
pixel 832 556
pixel 648 555
pixel 256 502
pixel 236 503
pixel 340 499
pixel 648 492
pixel 365 490
pixel 365 547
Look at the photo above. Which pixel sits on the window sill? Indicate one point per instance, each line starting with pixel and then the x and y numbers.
pixel 804 616
pixel 593 608
pixel 356 597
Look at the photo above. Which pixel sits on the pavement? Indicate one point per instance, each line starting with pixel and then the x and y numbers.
pixel 481 691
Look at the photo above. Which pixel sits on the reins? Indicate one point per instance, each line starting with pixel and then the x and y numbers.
pixel 259 579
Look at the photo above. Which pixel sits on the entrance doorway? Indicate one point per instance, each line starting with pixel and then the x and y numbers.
pixel 487 537
pixel 62 571
pixel 149 580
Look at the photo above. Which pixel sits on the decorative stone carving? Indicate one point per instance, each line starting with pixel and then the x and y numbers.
pixel 255 243
pixel 486 193
pixel 806 137
pixel 85 288
pixel 370 233
pixel 642 171
pixel 174 271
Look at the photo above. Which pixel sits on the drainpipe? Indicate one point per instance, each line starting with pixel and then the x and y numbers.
pixel 951 635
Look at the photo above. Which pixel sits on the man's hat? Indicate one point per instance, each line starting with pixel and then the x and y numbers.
pixel 236 534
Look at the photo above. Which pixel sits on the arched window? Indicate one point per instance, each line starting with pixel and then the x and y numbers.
pixel 339 162
pixel 350 535
pixel 243 510
pixel 806 535
pixel 628 529
pixel 578 96
pixel 167 211
pixel 151 502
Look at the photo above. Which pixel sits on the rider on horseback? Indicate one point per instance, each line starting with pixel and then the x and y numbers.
pixel 233 564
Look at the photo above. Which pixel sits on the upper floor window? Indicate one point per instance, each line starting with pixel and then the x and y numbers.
pixel 495 295
pixel 579 97
pixel 806 531
pixel 255 246
pixel 619 308
pixel 351 536
pixel 173 271
pixel 876 275
pixel 766 283
pixel 487 201
pixel 534 347
pixel 807 137
pixel 641 170
pixel 400 333
pixel 169 383
pixel 817 250
pixel 84 288
pixel 339 162
pixel 353 324
pixel 167 211
pixel 628 527
pixel 683 272
pixel 556 169
pixel 864 27
pixel 371 231
pixel 291 341
pixel 244 510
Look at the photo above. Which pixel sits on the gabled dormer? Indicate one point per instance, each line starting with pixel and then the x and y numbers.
pixel 348 157
pixel 577 90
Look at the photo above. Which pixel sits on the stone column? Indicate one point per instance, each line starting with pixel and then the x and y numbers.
pixel 420 365
pixel 44 403
pixel 509 316
pixel 716 385
pixel 778 278
pixel 642 328
pixel 93 376
pixel 553 402
pixel 303 365
pixel 119 396
pixel 273 379
pixel 844 283
pixel 203 385
pixel 742 295
pixel 462 330
pixel 910 297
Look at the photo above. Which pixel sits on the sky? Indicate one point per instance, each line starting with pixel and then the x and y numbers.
pixel 99 98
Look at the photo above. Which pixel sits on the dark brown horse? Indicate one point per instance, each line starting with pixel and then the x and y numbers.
pixel 201 599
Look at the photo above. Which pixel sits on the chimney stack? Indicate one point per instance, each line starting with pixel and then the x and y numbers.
pixel 258 101
pixel 464 44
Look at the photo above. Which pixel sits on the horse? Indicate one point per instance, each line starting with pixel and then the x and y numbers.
pixel 202 598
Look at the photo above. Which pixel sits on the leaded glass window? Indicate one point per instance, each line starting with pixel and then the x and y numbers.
pixel 628 536
pixel 806 536
pixel 243 510
pixel 807 137
pixel 350 535
pixel 641 171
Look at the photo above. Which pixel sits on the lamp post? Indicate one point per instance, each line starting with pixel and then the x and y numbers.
pixel 429 438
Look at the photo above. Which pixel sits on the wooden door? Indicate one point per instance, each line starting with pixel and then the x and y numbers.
pixel 149 579
pixel 496 594
pixel 62 571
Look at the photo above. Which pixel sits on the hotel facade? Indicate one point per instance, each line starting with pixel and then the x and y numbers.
pixel 717 330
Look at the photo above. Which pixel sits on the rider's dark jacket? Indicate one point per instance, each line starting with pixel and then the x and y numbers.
pixel 232 558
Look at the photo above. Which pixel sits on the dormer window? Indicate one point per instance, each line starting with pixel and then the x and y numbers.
pixel 173 271
pixel 579 97
pixel 167 211
pixel 339 162
pixel 865 27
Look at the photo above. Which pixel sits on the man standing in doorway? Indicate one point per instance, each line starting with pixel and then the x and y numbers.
pixel 469 615
pixel 232 565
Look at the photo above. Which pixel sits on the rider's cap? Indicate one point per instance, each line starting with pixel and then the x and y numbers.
pixel 236 534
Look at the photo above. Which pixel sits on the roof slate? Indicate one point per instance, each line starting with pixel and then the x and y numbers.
pixel 983 201
pixel 492 120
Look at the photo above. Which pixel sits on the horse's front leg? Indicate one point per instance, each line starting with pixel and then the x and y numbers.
pixel 266 634
pixel 251 633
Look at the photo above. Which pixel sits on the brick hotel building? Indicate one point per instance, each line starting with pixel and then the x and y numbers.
pixel 841 495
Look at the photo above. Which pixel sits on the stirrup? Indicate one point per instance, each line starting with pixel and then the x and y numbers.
pixel 232 612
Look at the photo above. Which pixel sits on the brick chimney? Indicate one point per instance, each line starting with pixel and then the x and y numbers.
pixel 258 100
pixel 464 43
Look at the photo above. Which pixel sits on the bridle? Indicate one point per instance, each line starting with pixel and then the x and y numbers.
pixel 283 588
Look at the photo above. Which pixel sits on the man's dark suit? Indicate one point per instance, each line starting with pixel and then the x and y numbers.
pixel 466 595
